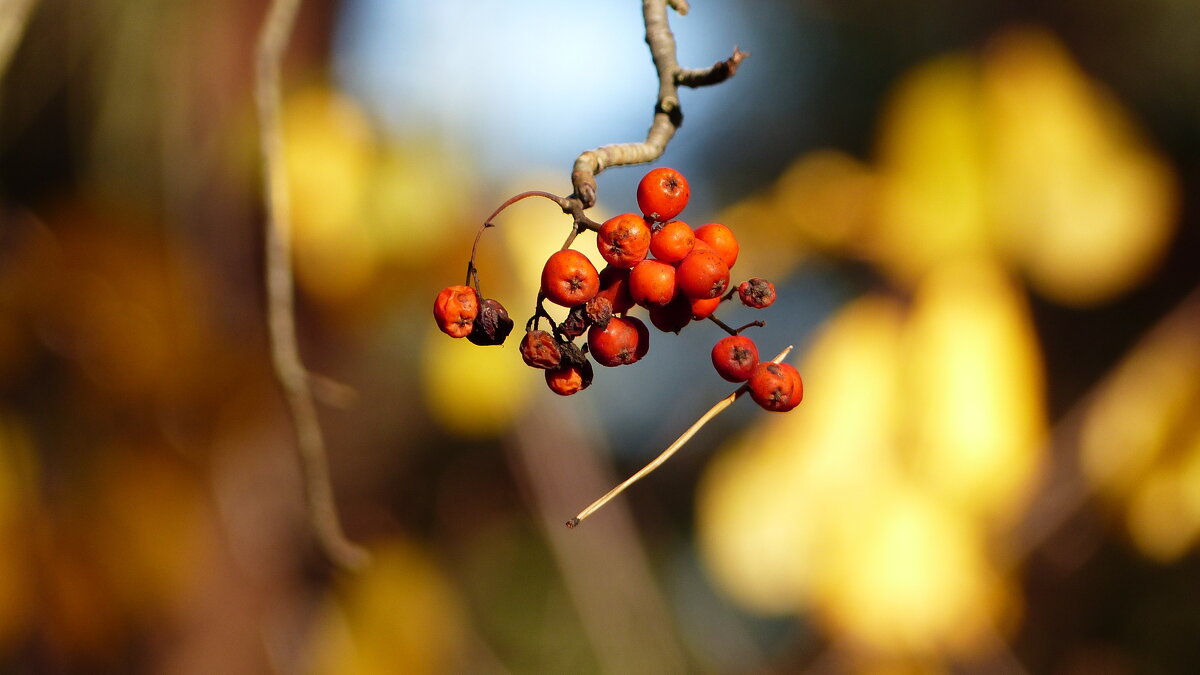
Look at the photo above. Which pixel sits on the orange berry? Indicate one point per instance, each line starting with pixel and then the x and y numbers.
pixel 672 241
pixel 673 316
pixel 455 309
pixel 614 285
pixel 703 308
pixel 721 239
pixel 569 278
pixel 652 282
pixel 702 274
pixel 662 194
pixel 735 358
pixel 569 379
pixel 623 240
pixel 776 386
pixel 616 344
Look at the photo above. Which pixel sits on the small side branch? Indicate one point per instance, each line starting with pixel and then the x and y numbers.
pixel 281 317
pixel 714 74
pixel 668 116
pixel 671 449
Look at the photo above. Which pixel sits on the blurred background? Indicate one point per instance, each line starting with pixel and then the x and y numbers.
pixel 981 219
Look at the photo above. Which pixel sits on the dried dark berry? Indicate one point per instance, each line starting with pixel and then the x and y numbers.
pixel 571 355
pixel 756 293
pixel 492 325
pixel 540 350
pixel 599 310
pixel 576 323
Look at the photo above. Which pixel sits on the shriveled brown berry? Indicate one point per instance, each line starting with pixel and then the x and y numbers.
pixel 776 386
pixel 576 323
pixel 492 326
pixel 539 349
pixel 599 310
pixel 455 309
pixel 756 293
pixel 572 355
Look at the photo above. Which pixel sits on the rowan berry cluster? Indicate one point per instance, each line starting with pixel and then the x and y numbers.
pixel 676 273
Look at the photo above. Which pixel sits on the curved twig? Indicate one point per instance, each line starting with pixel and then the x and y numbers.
pixel 668 116
pixel 281 325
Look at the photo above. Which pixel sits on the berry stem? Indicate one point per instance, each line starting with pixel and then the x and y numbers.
pixel 671 449
pixel 572 207
pixel 734 331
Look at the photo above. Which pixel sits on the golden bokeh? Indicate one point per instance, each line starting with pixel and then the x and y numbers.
pixel 401 615
pixel 974 420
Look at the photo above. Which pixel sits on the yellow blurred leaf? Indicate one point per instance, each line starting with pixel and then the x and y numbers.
pixel 471 390
pixel 931 190
pixel 765 506
pixel 908 576
pixel 400 615
pixel 330 153
pixel 828 197
pixel 975 419
pixel 1078 197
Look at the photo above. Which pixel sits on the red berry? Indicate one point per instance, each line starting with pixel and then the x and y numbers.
pixel 673 316
pixel 702 274
pixel 662 194
pixel 703 308
pixel 643 346
pixel 735 357
pixel 455 309
pixel 569 278
pixel 617 344
pixel 623 240
pixel 756 293
pixel 614 285
pixel 672 241
pixel 721 239
pixel 652 282
pixel 776 386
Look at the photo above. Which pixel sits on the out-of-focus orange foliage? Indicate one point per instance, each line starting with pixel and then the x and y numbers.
pixel 17 515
